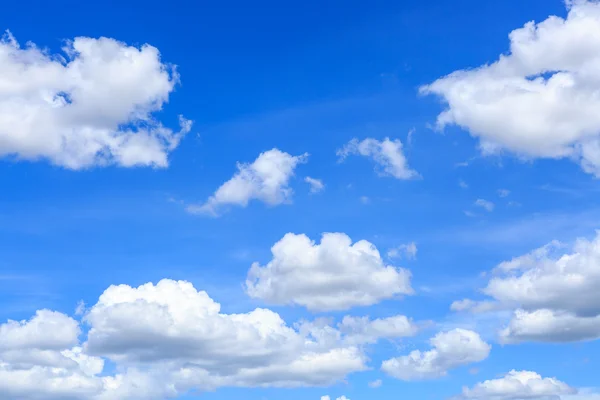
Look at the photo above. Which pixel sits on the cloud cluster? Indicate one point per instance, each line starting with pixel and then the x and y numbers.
pixel 554 295
pixel 266 179
pixel 169 338
pixel 541 99
pixel 40 359
pixel 93 105
pixel 333 275
pixel 387 154
pixel 450 350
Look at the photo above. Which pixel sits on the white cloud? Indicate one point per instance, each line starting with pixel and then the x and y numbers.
pixel 47 330
pixel 584 394
pixel 39 359
pixel 408 250
pixel 333 275
pixel 503 192
pixel 387 154
pixel 519 385
pixel 463 184
pixel 316 185
pixel 92 106
pixel 547 325
pixel 169 338
pixel 554 296
pixel 485 204
pixel 375 384
pixel 266 179
pixel 540 99
pixel 450 350
pixel 184 327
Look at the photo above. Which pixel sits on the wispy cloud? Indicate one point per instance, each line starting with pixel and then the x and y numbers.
pixel 316 185
pixel 485 204
pixel 528 231
pixel 503 192
pixel 408 250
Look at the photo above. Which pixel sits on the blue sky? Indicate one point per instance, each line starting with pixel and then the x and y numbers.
pixel 511 166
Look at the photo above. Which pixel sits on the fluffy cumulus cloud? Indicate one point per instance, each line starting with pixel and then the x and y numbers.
pixel 335 274
pixel 184 327
pixel 168 338
pixel 554 293
pixel 540 99
pixel 40 359
pixel 519 385
pixel 266 179
pixel 450 350
pixel 93 105
pixel 387 154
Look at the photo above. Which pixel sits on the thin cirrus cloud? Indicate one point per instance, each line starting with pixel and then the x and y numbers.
pixel 94 105
pixel 553 294
pixel 387 154
pixel 540 99
pixel 334 274
pixel 168 338
pixel 266 179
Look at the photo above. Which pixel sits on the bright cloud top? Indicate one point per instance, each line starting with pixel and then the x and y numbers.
pixel 387 154
pixel 541 99
pixel 333 275
pixel 555 296
pixel 450 350
pixel 39 359
pixel 168 338
pixel 91 107
pixel 266 179
pixel 518 385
